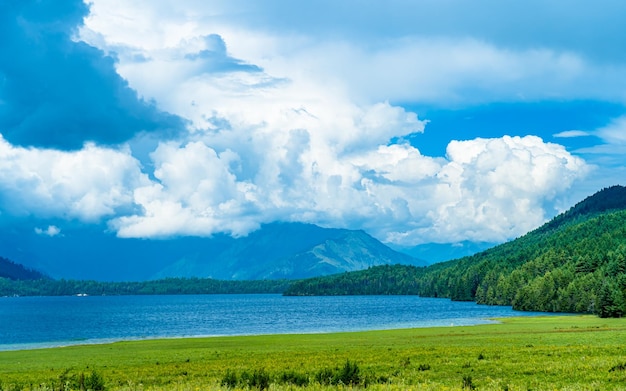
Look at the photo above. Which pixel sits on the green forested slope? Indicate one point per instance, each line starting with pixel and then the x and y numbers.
pixel 377 280
pixel 14 271
pixel 574 263
pixel 168 286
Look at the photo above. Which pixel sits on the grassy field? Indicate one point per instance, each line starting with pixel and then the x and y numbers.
pixel 544 353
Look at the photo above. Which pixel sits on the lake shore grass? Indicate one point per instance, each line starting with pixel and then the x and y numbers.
pixel 526 353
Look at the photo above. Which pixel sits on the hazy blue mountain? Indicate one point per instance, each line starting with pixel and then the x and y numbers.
pixel 278 250
pixel 439 252
pixel 272 253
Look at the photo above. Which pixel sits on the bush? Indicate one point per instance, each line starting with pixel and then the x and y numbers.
pixel 294 378
pixel 94 382
pixel 349 374
pixel 230 379
pixel 423 367
pixel 73 381
pixel 325 376
pixel 258 379
pixel 468 383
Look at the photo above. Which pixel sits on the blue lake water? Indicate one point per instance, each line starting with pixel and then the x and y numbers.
pixel 34 322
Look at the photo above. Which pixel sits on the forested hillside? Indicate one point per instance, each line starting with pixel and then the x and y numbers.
pixel 574 263
pixel 15 271
pixel 377 280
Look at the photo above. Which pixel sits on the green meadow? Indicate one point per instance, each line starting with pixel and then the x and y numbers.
pixel 541 353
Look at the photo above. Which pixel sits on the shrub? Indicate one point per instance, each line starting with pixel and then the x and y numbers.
pixel 94 382
pixel 258 379
pixel 294 378
pixel 325 376
pixel 468 383
pixel 349 374
pixel 423 367
pixel 230 379
pixel 406 362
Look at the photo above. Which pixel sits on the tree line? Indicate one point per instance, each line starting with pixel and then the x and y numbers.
pixel 168 286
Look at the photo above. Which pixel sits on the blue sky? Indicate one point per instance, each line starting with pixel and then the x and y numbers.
pixel 417 121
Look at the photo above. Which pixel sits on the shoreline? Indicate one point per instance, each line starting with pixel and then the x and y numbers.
pixel 106 341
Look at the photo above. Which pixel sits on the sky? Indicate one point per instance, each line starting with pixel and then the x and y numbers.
pixel 427 121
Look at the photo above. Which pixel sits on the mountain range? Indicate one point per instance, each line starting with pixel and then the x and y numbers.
pixel 276 251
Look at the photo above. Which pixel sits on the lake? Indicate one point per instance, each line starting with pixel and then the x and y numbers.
pixel 35 322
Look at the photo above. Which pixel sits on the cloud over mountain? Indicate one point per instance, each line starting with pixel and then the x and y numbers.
pixel 274 122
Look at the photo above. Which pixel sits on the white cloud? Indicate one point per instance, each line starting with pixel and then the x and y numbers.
pixel 298 127
pixel 609 153
pixel 614 132
pixel 484 190
pixel 496 187
pixel 447 72
pixel 195 194
pixel 51 231
pixel 87 184
pixel 571 134
pixel 427 66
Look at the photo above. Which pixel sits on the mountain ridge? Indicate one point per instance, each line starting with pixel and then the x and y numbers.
pixel 276 251
pixel 606 199
pixel 574 263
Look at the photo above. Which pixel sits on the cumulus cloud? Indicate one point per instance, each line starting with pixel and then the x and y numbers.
pixel 56 92
pixel 88 184
pixel 501 185
pixel 194 194
pixel 279 128
pixel 484 190
pixel 302 129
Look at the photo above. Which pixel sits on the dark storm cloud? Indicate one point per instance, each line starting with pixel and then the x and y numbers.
pixel 58 93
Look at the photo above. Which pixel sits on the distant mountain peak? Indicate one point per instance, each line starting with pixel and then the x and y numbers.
pixel 286 251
